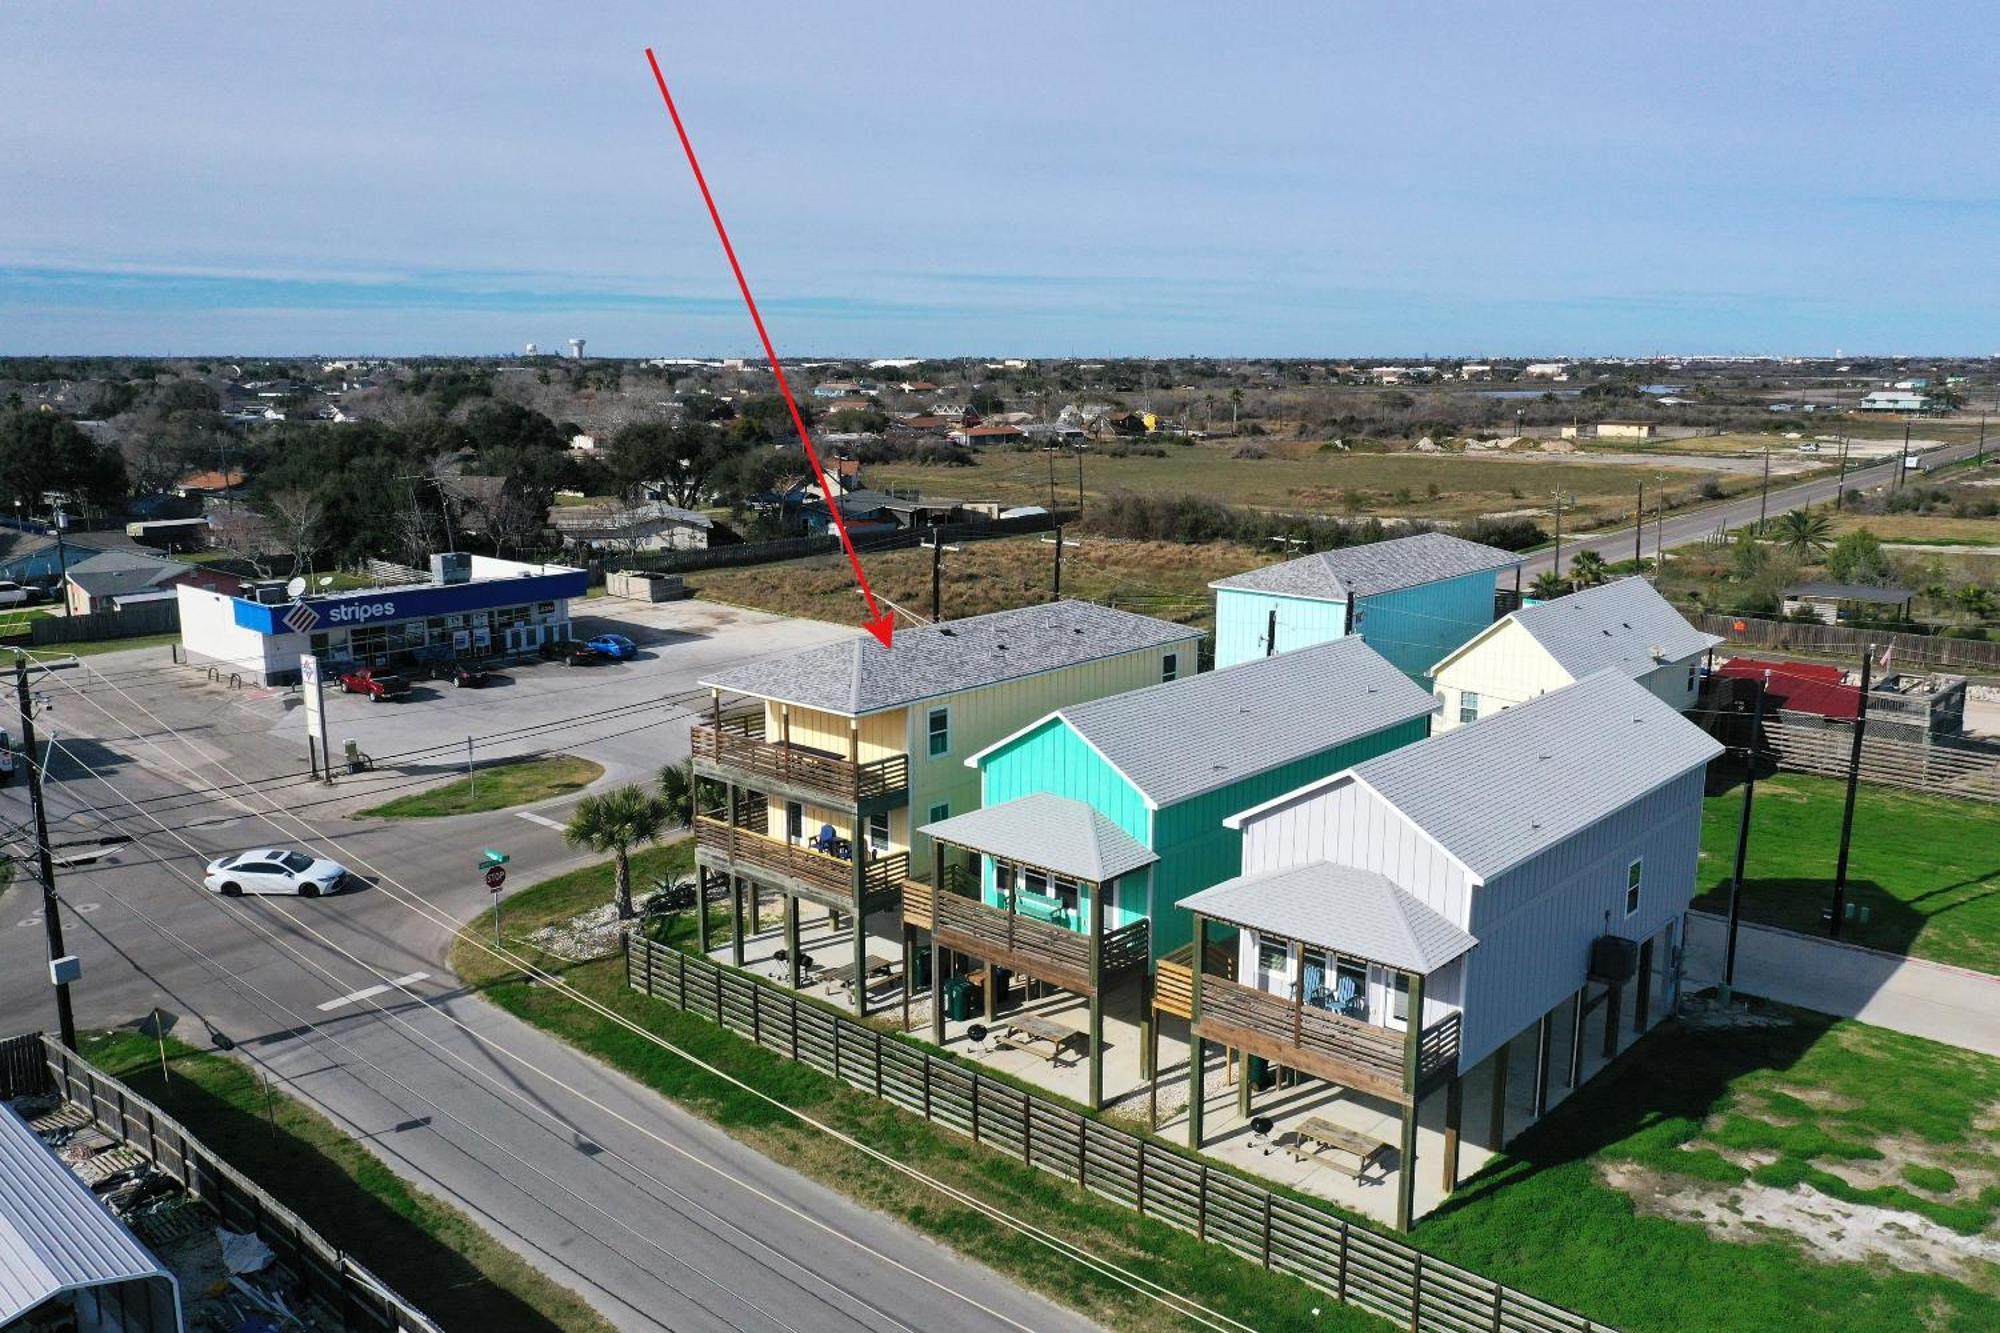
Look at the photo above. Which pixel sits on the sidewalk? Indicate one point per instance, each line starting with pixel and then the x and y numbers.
pixel 1954 1005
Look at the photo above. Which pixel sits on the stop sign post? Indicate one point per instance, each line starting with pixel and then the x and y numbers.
pixel 493 867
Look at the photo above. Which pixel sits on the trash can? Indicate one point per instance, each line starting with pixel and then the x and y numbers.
pixel 920 970
pixel 1002 985
pixel 1261 1073
pixel 958 999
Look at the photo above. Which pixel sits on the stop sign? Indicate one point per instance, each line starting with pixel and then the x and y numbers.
pixel 495 877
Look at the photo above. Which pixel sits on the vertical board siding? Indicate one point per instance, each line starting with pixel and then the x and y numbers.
pixel 1242 617
pixel 1415 628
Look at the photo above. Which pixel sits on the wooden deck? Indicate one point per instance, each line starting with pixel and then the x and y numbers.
pixel 738 751
pixel 827 880
pixel 1325 1045
pixel 1033 948
pixel 1173 977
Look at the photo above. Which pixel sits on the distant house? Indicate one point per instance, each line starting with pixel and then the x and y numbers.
pixel 836 389
pixel 200 484
pixel 1828 600
pixel 1545 370
pixel 844 405
pixel 1625 430
pixel 1895 400
pixel 1624 626
pixel 976 435
pixel 926 421
pixel 653 526
pixel 113 578
pixel 863 512
pixel 1412 599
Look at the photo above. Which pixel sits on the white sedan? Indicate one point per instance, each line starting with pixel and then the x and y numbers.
pixel 274 870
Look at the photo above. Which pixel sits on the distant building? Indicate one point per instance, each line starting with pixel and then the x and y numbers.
pixel 1545 370
pixel 1625 430
pixel 1895 400
pixel 113 578
pixel 641 527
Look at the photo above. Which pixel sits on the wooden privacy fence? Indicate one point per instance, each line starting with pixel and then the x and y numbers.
pixel 1938 769
pixel 1933 651
pixel 144 618
pixel 38 1064
pixel 1351 1263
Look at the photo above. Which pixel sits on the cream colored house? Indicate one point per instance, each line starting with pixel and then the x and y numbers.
pixel 829 759
pixel 1624 626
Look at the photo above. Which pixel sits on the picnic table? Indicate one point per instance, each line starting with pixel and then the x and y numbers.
pixel 1315 1135
pixel 841 975
pixel 1028 1033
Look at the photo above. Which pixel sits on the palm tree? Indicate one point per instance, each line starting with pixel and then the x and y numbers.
pixel 1804 533
pixel 1587 570
pixel 1548 586
pixel 1975 601
pixel 616 822
pixel 676 784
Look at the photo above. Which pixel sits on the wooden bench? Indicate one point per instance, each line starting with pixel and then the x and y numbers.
pixel 1025 1032
pixel 1316 1135
pixel 841 976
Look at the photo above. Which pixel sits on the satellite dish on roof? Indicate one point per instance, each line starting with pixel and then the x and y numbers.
pixel 326 581
pixel 296 588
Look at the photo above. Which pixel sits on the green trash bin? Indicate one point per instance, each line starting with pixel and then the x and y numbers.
pixel 920 971
pixel 958 999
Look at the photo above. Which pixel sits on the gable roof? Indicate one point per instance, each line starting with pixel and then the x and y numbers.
pixel 54 1234
pixel 1506 788
pixel 111 573
pixel 1624 626
pixel 1375 567
pixel 859 675
pixel 1199 733
pixel 1048 832
pixel 1339 907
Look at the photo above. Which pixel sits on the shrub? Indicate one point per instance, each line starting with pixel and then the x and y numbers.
pixel 1251 451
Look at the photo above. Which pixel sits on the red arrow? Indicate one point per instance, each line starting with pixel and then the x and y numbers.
pixel 880 623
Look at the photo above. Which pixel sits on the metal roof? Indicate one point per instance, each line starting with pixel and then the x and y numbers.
pixel 1193 735
pixel 1375 567
pixel 1500 790
pixel 1851 592
pixel 109 573
pixel 1338 907
pixel 859 675
pixel 54 1234
pixel 1049 832
pixel 1624 626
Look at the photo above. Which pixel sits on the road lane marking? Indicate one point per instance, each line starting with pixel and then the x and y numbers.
pixel 543 820
pixel 370 992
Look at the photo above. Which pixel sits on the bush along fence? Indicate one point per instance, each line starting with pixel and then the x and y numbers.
pixel 1350 1263
pixel 35 1064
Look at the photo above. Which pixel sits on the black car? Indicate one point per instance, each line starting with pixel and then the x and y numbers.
pixel 463 675
pixel 571 652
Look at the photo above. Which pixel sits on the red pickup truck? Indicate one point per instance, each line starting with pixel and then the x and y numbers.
pixel 377 685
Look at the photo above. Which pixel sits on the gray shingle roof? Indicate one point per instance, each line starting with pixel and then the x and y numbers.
pixel 1376 567
pixel 54 1234
pixel 1193 735
pixel 1502 789
pixel 860 676
pixel 1050 832
pixel 1616 627
pixel 1338 907
pixel 110 573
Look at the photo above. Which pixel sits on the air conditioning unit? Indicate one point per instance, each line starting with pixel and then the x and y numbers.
pixel 1614 959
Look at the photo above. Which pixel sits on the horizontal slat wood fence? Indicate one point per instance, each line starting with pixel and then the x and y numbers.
pixel 1350 1263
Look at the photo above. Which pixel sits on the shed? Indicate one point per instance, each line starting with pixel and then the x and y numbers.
pixel 1828 600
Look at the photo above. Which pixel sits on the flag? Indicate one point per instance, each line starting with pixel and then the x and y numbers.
pixel 1887 654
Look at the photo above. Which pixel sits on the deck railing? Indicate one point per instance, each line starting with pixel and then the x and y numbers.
pixel 833 877
pixel 1329 1045
pixel 1051 953
pixel 739 744
pixel 1173 977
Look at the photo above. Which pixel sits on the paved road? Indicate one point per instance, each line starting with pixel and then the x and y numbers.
pixel 657 1218
pixel 1615 544
pixel 1948 1004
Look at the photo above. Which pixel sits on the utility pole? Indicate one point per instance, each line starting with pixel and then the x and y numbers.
pixel 1079 483
pixel 62 554
pixel 1059 546
pixel 1660 534
pixel 1853 780
pixel 1764 495
pixel 937 576
pixel 61 965
pixel 1639 531
pixel 1981 460
pixel 1903 460
pixel 1750 752
pixel 1840 492
pixel 471 774
pixel 1052 481
pixel 1558 566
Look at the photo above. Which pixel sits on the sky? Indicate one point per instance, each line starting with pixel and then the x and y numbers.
pixel 1023 179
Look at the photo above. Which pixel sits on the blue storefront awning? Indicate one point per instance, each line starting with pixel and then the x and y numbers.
pixel 379 606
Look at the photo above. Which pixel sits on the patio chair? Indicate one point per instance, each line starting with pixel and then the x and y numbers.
pixel 826 841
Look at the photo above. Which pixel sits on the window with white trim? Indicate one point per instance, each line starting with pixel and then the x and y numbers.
pixel 1468 707
pixel 1634 874
pixel 939 813
pixel 938 725
pixel 1170 667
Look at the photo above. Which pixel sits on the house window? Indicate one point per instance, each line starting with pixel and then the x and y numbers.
pixel 939 813
pixel 1170 667
pixel 1633 874
pixel 1274 965
pixel 795 821
pixel 1468 707
pixel 1399 999
pixel 1066 897
pixel 878 833
pixel 939 724
pixel 1692 673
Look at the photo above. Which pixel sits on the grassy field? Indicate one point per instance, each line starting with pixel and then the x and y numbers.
pixel 1574 1213
pixel 1164 579
pixel 1924 529
pixel 1296 477
pixel 423 1247
pixel 1928 867
pixel 1167 1256
pixel 519 782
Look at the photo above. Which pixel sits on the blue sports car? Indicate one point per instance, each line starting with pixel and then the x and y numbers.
pixel 615 646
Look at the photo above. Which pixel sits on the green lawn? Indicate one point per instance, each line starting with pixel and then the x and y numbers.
pixel 1927 867
pixel 1804 1100
pixel 1208 1273
pixel 88 647
pixel 428 1250
pixel 517 783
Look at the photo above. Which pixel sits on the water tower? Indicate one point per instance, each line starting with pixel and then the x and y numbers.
pixel 533 350
pixel 576 349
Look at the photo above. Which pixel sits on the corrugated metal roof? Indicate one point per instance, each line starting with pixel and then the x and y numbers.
pixel 1624 626
pixel 1050 832
pixel 54 1234
pixel 1193 735
pixel 1376 567
pixel 1502 789
pixel 860 676
pixel 1338 907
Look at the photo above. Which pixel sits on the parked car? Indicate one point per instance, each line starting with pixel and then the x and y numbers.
pixel 463 675
pixel 15 594
pixel 615 646
pixel 571 652
pixel 6 757
pixel 275 870
pixel 377 685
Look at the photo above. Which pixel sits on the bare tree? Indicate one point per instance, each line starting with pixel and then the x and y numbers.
pixel 298 517
pixel 249 536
